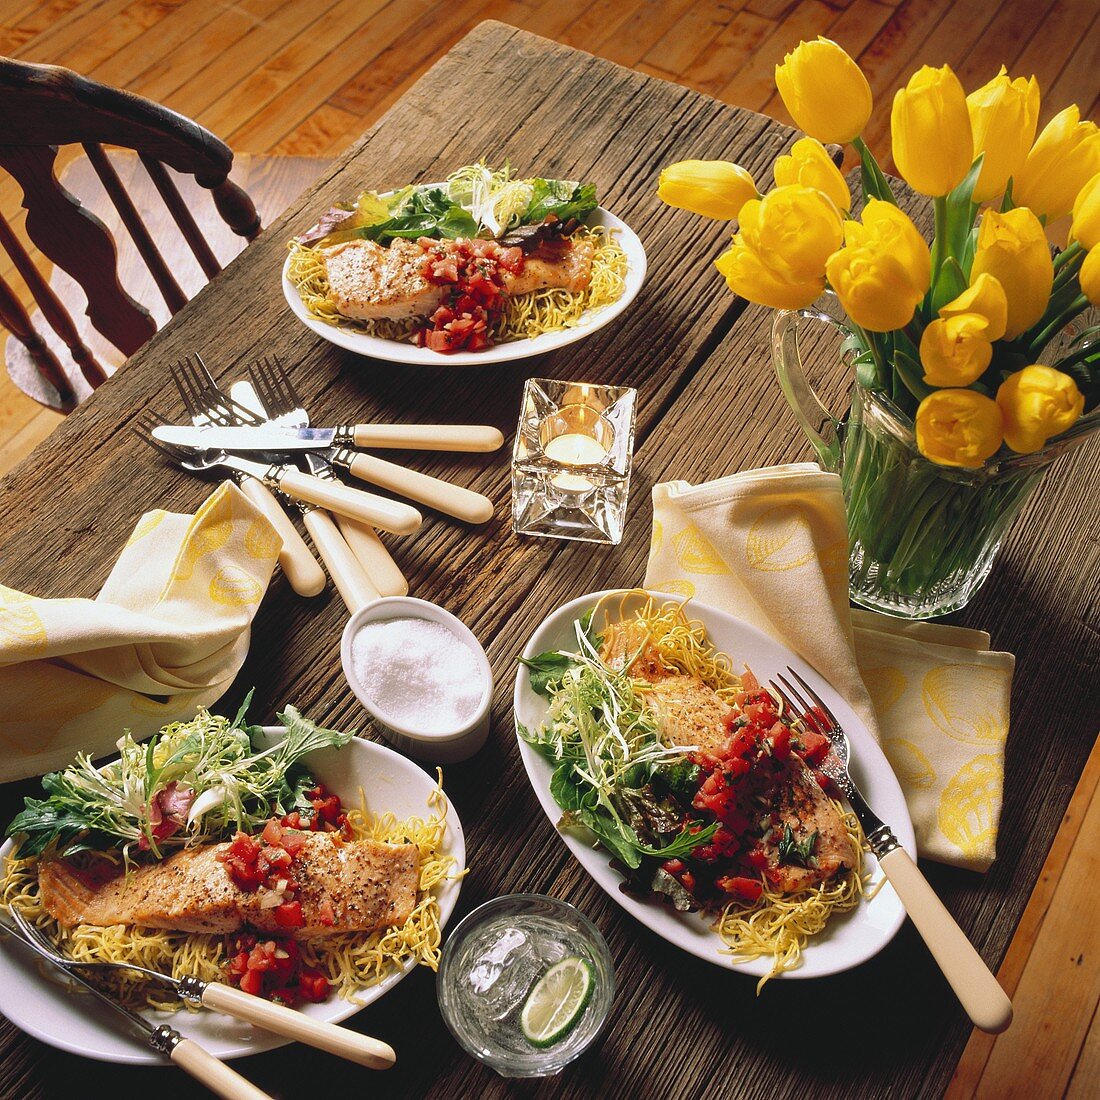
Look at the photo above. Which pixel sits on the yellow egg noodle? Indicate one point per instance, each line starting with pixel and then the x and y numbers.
pixel 351 961
pixel 524 316
pixel 777 924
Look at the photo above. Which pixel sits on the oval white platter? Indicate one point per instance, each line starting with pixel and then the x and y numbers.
pixel 80 1024
pixel 850 938
pixel 397 351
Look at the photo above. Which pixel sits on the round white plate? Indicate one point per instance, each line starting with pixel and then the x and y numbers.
pixel 82 1025
pixel 850 938
pixel 398 351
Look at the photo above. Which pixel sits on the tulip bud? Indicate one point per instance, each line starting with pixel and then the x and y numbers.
pixel 1089 277
pixel 1063 159
pixel 930 128
pixel 986 297
pixel 958 428
pixel 810 165
pixel 824 90
pixel 748 276
pixel 1012 247
pixel 713 188
pixel 889 229
pixel 794 230
pixel 1036 403
pixel 1003 117
pixel 1086 214
pixel 873 286
pixel 955 351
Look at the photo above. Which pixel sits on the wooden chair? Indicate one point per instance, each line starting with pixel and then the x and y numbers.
pixel 132 233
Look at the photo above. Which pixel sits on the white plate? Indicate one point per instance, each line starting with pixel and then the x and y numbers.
pixel 850 938
pixel 398 351
pixel 81 1025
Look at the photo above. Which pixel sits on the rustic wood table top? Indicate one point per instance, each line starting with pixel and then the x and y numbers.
pixel 708 406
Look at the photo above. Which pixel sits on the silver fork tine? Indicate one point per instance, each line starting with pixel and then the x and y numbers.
pixel 31 933
pixel 818 701
pixel 187 391
pixel 291 393
pixel 807 717
pixel 266 382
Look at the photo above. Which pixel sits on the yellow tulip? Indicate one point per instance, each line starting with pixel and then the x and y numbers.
pixel 824 90
pixel 1089 277
pixel 1063 159
pixel 888 229
pixel 955 351
pixel 810 165
pixel 874 288
pixel 1036 403
pixel 713 188
pixel 1086 214
pixel 1003 116
pixel 959 428
pixel 1012 247
pixel 749 277
pixel 794 230
pixel 986 297
pixel 930 129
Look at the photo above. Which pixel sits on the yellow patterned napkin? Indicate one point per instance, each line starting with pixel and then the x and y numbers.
pixel 167 633
pixel 771 547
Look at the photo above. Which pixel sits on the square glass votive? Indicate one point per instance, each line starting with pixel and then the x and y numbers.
pixel 571 461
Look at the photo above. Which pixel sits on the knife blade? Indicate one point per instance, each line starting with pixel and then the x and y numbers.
pixel 262 438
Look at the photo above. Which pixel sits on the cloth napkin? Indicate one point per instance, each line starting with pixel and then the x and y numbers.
pixel 167 634
pixel 771 547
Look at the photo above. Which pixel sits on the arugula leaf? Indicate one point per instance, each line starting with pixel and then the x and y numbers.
pixel 564 199
pixel 686 841
pixel 795 852
pixel 546 669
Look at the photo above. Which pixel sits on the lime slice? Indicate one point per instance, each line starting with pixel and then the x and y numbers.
pixel 556 1003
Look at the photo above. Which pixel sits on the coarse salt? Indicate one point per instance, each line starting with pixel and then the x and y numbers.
pixel 418 673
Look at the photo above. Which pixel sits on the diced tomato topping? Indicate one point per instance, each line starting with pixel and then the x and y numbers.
pixel 815 746
pixel 780 737
pixel 289 915
pixel 326 914
pixel 747 889
pixel 314 986
pixel 252 981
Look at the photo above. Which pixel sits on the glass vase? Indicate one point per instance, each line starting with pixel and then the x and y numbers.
pixel 922 537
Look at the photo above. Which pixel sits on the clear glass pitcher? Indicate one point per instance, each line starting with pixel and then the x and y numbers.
pixel 922 537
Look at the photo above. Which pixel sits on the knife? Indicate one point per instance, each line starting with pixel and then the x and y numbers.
pixel 454 500
pixel 421 437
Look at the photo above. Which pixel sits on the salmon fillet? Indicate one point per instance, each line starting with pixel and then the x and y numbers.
pixel 691 713
pixel 368 282
pixel 369 885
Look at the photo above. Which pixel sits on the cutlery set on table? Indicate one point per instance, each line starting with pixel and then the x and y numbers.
pixel 259 431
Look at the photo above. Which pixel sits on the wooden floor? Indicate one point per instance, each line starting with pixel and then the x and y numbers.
pixel 307 76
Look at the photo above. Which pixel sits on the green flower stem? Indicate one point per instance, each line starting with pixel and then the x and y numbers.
pixel 1070 252
pixel 1076 306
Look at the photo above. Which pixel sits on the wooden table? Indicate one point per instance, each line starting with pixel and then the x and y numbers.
pixel 708 405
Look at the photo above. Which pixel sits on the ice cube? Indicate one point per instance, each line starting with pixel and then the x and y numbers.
pixel 502 975
pixel 489 964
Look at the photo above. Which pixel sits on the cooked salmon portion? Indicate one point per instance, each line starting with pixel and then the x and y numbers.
pixel 799 801
pixel 688 712
pixel 363 885
pixel 369 283
pixel 566 265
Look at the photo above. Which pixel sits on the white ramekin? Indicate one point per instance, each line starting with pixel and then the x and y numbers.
pixel 437 748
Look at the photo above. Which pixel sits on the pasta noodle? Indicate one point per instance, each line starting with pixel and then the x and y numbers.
pixel 524 316
pixel 350 960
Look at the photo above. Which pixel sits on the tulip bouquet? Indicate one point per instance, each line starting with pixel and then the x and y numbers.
pixel 979 345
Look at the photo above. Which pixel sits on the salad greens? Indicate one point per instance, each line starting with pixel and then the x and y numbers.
pixel 194 781
pixel 475 201
pixel 613 774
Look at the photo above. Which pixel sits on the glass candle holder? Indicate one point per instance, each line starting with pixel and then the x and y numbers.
pixel 571 461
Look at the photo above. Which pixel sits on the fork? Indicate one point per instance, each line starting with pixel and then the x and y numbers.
pixel 453 500
pixel 985 1002
pixel 281 405
pixel 303 573
pixel 341 1041
pixel 203 396
pixel 390 515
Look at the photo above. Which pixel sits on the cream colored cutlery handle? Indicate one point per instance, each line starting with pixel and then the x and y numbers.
pixel 429 437
pixel 302 569
pixel 215 1075
pixel 373 556
pixel 347 574
pixel 986 1003
pixel 340 1041
pixel 390 515
pixel 461 503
